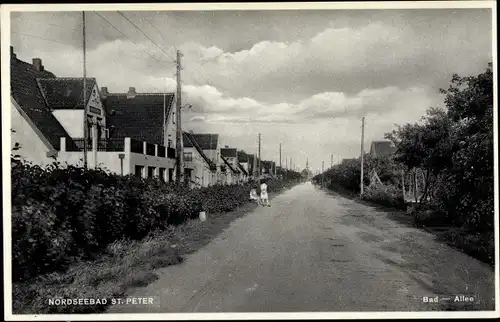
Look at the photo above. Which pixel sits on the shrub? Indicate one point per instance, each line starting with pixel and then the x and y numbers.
pixel 62 214
pixel 385 195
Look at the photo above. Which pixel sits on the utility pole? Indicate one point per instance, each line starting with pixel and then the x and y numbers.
pixel 178 146
pixel 260 167
pixel 85 126
pixel 281 169
pixel 322 173
pixel 362 152
pixel 331 162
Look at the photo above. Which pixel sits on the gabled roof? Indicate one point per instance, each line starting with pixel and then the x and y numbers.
pixel 139 117
pixel 228 152
pixel 64 92
pixel 382 148
pixel 207 141
pixel 230 166
pixel 189 141
pixel 25 91
pixel 243 157
pixel 242 169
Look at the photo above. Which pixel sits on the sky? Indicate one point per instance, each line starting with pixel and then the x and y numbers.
pixel 300 78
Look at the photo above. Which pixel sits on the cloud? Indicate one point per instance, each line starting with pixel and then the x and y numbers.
pixel 301 81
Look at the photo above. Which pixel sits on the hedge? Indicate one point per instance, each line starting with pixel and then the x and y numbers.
pixel 63 214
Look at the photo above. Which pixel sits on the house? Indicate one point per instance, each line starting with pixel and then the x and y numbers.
pixel 48 123
pixel 244 164
pixel 253 169
pixel 349 160
pixel 230 157
pixel 33 126
pixel 382 149
pixel 200 171
pixel 148 118
pixel 209 144
pixel 268 167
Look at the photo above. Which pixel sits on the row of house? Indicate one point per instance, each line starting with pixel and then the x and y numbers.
pixel 128 133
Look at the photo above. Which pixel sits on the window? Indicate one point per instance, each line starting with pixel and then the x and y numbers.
pixel 139 169
pixel 151 172
pixel 162 174
pixel 173 117
pixel 170 175
pixel 169 143
pixel 188 156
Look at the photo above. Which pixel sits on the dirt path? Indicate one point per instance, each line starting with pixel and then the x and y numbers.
pixel 313 251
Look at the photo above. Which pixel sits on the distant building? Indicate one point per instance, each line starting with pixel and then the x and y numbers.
pixel 382 148
pixel 345 161
pixel 230 157
pixel 200 171
pixel 244 164
pixel 209 143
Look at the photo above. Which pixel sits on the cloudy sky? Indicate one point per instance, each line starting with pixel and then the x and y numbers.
pixel 301 78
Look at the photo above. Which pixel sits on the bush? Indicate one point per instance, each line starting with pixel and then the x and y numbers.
pixel 385 195
pixel 64 214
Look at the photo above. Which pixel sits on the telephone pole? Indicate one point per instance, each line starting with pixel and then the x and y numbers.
pixel 322 173
pixel 331 162
pixel 178 146
pixel 260 167
pixel 281 169
pixel 85 126
pixel 362 152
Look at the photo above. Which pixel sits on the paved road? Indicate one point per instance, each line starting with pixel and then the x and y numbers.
pixel 314 251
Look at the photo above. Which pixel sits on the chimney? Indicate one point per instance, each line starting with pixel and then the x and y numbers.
pixel 37 63
pixel 12 53
pixel 227 147
pixel 104 92
pixel 131 92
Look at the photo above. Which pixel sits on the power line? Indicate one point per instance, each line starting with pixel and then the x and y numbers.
pixel 133 24
pixel 109 23
pixel 42 38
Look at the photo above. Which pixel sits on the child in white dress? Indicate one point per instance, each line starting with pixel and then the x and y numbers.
pixel 263 194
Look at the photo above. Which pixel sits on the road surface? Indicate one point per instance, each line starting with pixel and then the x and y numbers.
pixel 317 251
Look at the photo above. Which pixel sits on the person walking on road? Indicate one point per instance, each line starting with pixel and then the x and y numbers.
pixel 264 198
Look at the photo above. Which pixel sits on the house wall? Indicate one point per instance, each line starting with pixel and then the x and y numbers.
pixel 32 147
pixel 109 161
pixel 150 161
pixel 201 173
pixel 71 120
pixel 171 127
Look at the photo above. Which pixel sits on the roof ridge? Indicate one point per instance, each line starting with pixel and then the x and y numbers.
pixel 137 94
pixel 66 78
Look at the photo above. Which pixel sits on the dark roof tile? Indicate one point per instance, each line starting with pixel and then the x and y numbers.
pixel 140 117
pixel 382 148
pixel 64 92
pixel 24 89
pixel 228 152
pixel 207 141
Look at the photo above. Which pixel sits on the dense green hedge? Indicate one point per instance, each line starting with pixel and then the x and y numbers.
pixel 453 146
pixel 62 214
